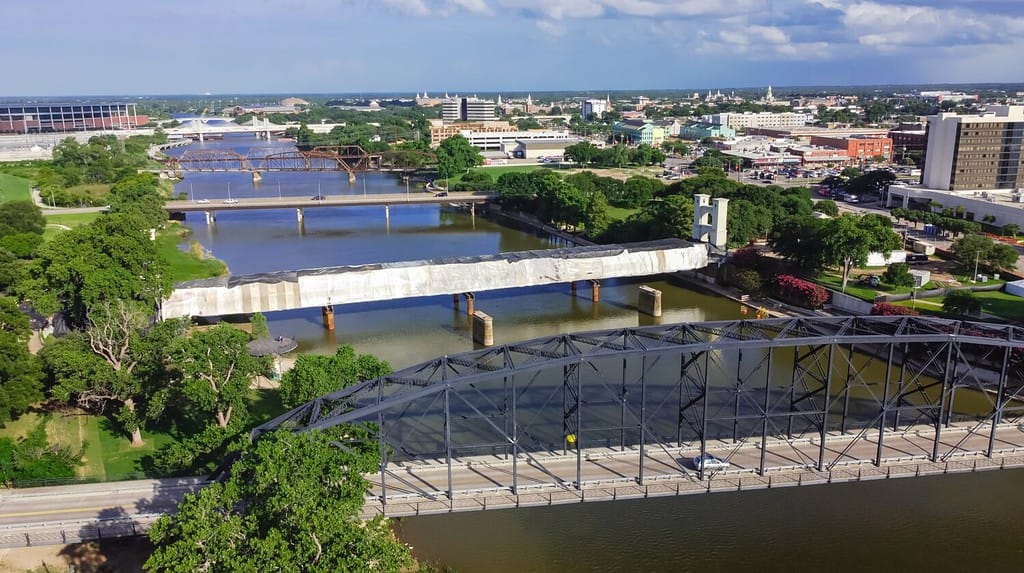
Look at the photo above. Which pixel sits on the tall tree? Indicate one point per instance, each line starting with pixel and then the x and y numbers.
pixel 455 155
pixel 140 196
pixel 314 375
pixel 290 503
pixel 217 370
pixel 108 259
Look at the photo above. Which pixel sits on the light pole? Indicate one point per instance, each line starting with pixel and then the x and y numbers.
pixel 977 255
pixel 915 296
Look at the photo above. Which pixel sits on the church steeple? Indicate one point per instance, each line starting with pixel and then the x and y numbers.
pixel 769 97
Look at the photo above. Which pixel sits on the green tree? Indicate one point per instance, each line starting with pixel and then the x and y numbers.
pixel 139 196
pixel 898 275
pixel 314 375
pixel 290 503
pixel 259 326
pixel 746 222
pixel 455 155
pixel 828 207
pixel 982 252
pixel 798 239
pixel 961 302
pixel 21 217
pixel 847 240
pixel 97 368
pixel 217 370
pixel 105 260
pixel 21 377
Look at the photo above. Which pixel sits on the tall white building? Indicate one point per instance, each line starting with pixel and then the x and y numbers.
pixel 594 108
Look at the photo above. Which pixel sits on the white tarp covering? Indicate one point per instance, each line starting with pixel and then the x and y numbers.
pixel 368 283
pixel 1015 288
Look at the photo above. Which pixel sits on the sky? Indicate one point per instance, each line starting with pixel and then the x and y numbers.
pixel 107 47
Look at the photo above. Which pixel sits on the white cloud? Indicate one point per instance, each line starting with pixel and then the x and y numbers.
pixel 413 7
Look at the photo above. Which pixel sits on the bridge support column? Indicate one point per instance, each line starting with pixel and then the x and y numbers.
pixel 483 329
pixel 351 177
pixel 572 287
pixel 470 297
pixel 649 301
pixel 455 300
pixel 299 215
pixel 328 314
pixel 595 288
pixel 387 213
pixel 211 217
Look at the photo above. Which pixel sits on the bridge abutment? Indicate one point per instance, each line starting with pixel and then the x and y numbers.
pixel 649 301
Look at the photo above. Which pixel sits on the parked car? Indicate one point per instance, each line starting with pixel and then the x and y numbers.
pixel 869 280
pixel 709 462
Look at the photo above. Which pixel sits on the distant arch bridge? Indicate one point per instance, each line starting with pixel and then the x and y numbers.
pixel 625 413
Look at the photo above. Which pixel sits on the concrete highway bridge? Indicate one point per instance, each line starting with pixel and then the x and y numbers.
pixel 331 286
pixel 621 414
pixel 211 207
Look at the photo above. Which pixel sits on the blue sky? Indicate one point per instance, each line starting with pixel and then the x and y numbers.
pixel 64 47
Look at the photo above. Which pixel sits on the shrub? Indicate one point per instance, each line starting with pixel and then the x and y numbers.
pixel 748 281
pixel 886 309
pixel 898 274
pixel 799 292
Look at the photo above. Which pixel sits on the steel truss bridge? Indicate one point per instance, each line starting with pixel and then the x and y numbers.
pixel 348 158
pixel 622 413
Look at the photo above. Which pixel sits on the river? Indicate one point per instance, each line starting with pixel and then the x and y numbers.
pixel 949 523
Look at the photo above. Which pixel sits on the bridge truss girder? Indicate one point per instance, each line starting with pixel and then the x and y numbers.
pixel 347 158
pixel 704 386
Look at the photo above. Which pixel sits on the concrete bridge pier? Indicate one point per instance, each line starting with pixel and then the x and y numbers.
pixel 483 328
pixel 455 300
pixel 211 217
pixel 595 289
pixel 387 214
pixel 572 287
pixel 256 177
pixel 300 215
pixel 470 298
pixel 649 301
pixel 328 314
pixel 351 177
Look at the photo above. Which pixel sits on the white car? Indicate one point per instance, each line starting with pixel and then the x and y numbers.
pixel 202 200
pixel 231 201
pixel 708 462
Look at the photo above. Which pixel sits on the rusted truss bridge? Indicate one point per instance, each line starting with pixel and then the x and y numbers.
pixel 348 158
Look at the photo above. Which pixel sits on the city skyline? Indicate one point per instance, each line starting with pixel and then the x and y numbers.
pixel 351 46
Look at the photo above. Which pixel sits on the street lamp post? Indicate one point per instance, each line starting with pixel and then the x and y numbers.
pixel 915 296
pixel 977 255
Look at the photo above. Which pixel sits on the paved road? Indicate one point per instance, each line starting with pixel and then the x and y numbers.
pixel 418 198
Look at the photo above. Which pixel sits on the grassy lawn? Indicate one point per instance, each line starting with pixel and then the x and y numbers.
pixel 1002 304
pixel 56 223
pixel 835 282
pixel 14 188
pixel 109 455
pixel 620 213
pixel 186 265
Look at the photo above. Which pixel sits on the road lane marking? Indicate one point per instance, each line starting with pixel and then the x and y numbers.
pixel 55 511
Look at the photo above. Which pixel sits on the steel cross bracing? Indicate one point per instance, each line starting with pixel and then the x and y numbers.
pixel 348 158
pixel 815 388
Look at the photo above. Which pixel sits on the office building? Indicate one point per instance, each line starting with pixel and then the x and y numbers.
pixel 467 109
pixel 638 132
pixel 592 109
pixel 975 152
pixel 857 147
pixel 764 119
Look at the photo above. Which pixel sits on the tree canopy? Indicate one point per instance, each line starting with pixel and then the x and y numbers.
pixel 455 155
pixel 314 375
pixel 290 504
